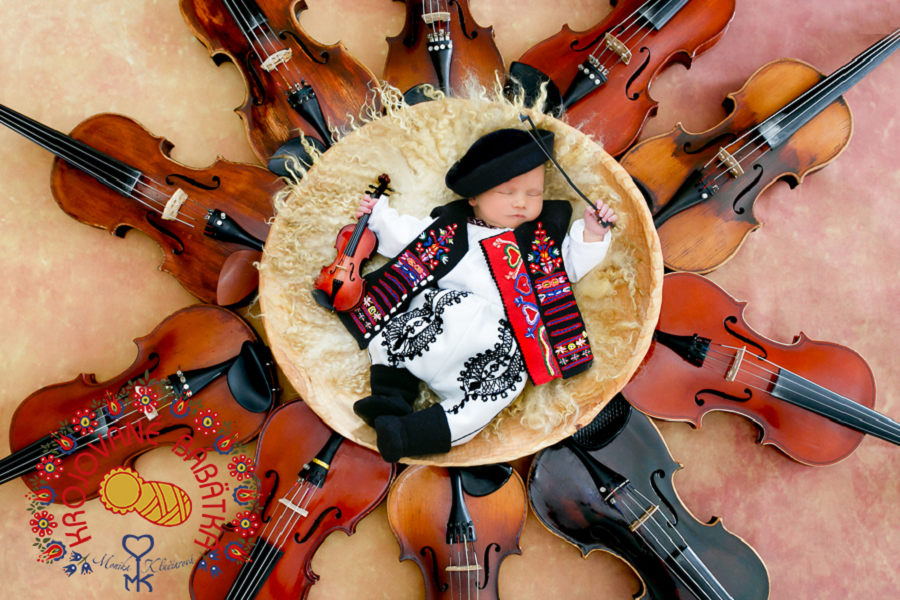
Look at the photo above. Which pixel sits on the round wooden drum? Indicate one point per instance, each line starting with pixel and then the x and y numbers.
pixel 619 300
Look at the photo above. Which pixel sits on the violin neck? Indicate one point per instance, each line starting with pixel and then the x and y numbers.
pixel 786 122
pixel 256 571
pixel 801 392
pixel 656 14
pixel 102 167
pixel 247 15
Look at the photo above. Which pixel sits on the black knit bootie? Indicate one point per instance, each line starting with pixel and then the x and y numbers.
pixel 422 432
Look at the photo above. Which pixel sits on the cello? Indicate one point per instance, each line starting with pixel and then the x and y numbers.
pixel 294 84
pixel 609 488
pixel 788 120
pixel 202 371
pixel 312 482
pixel 210 223
pixel 456 47
pixel 458 525
pixel 812 400
pixel 601 78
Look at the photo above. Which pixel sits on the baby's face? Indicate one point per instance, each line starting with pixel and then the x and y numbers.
pixel 510 204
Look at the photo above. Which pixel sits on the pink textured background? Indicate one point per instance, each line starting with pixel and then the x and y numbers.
pixel 824 263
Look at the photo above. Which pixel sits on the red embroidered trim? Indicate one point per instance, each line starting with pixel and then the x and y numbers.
pixel 505 262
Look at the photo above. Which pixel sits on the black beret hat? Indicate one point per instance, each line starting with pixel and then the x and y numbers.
pixel 496 158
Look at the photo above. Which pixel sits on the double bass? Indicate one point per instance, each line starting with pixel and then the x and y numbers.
pixel 812 400
pixel 294 84
pixel 609 488
pixel 601 78
pixel 788 120
pixel 458 525
pixel 441 45
pixel 312 482
pixel 210 223
pixel 201 368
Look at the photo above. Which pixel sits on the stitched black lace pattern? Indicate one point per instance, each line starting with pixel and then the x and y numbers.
pixel 410 334
pixel 493 374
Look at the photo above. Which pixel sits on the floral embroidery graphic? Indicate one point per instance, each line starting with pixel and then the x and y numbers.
pixel 54 551
pixel 114 406
pixel 85 422
pixel 544 257
pixel 66 443
pixel 145 399
pixel 245 495
pixel 43 523
pixel 434 247
pixel 236 552
pixel 246 523
pixel 181 407
pixel 207 422
pixel 42 496
pixel 241 467
pixel 224 444
pixel 413 332
pixel 49 468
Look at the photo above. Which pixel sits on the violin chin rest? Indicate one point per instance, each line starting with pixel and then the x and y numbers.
pixel 484 480
pixel 251 378
pixel 238 277
pixel 293 149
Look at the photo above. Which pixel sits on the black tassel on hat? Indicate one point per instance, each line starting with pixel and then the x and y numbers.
pixel 496 158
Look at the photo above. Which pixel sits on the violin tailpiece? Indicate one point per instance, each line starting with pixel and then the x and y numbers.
pixel 174 205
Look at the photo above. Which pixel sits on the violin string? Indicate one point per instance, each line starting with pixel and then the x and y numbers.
pixel 645 528
pixel 38 138
pixel 649 30
pixel 25 459
pixel 630 20
pixel 245 25
pixel 468 571
pixel 38 135
pixel 854 409
pixel 253 568
pixel 810 97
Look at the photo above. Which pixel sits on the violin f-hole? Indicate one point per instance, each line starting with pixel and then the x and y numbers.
pixel 595 41
pixel 700 401
pixel 733 320
pixel 637 74
pixel 215 179
pixel 487 563
pixel 660 474
pixel 434 568
pixel 725 140
pixel 323 55
pixel 271 495
pixel 319 519
pixel 462 21
pixel 259 97
pixel 178 249
pixel 746 190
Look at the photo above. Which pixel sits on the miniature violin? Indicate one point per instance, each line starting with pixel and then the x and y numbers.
pixel 294 84
pixel 340 286
pixel 457 50
pixel 484 512
pixel 202 372
pixel 609 488
pixel 812 400
pixel 605 73
pixel 788 120
pixel 210 223
pixel 329 484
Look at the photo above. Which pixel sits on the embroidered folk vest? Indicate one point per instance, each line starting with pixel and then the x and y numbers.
pixel 527 267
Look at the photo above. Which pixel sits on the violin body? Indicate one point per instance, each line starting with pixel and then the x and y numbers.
pixel 706 235
pixel 566 500
pixel 346 268
pixel 615 112
pixel 474 53
pixel 341 83
pixel 667 387
pixel 193 337
pixel 419 505
pixel 356 483
pixel 244 192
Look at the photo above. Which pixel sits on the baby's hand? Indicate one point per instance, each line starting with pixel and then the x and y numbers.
pixel 365 206
pixel 593 230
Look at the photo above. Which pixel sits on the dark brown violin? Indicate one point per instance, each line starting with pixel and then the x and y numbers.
pixel 458 525
pixel 340 285
pixel 201 372
pixel 210 223
pixel 601 77
pixel 812 400
pixel 294 84
pixel 329 484
pixel 441 45
pixel 609 488
pixel 787 121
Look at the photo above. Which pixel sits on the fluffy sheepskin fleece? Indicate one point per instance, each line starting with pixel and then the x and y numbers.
pixel 416 146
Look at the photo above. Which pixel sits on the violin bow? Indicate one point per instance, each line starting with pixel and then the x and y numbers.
pixel 537 140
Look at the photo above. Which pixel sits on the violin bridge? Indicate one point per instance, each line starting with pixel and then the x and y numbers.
pixel 463 569
pixel 293 507
pixel 730 162
pixel 170 213
pixel 643 518
pixel 433 17
pixel 736 365
pixel 278 58
pixel 614 44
